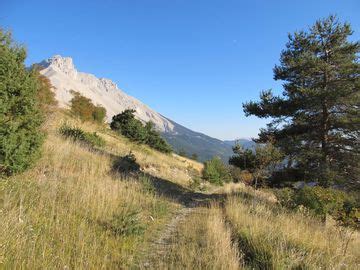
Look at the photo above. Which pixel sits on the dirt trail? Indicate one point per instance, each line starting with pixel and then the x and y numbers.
pixel 160 246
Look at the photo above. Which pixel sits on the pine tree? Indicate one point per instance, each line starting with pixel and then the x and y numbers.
pixel 260 163
pixel 127 125
pixel 316 121
pixel 20 117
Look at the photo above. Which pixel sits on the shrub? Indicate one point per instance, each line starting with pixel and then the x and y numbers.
pixel 216 172
pixel 239 175
pixel 20 118
pixel 127 125
pixel 77 134
pixel 126 164
pixel 323 201
pixel 285 197
pixel 320 200
pixel 94 139
pixel 45 96
pixel 83 108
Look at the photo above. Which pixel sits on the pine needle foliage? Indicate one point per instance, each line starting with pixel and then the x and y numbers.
pixel 316 121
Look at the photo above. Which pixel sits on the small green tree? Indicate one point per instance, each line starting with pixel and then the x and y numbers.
pixel 20 117
pixel 261 162
pixel 242 158
pixel 216 172
pixel 127 125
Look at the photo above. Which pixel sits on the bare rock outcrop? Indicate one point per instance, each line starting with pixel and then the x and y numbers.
pixel 65 77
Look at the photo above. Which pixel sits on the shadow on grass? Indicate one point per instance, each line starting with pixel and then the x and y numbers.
pixel 127 166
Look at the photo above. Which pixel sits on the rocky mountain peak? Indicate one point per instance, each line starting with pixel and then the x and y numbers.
pixel 64 64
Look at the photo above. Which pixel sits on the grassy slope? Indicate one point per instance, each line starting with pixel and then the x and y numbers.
pixel 270 237
pixel 71 211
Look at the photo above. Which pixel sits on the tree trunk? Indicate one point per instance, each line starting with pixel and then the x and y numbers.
pixel 325 166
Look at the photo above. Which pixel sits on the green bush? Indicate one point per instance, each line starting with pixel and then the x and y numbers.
pixel 20 117
pixel 320 200
pixel 83 108
pixel 342 206
pixel 127 125
pixel 286 197
pixel 216 172
pixel 77 134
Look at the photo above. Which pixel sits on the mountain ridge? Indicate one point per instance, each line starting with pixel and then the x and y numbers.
pixel 65 77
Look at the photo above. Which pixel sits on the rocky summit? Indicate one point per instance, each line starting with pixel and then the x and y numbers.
pixel 65 77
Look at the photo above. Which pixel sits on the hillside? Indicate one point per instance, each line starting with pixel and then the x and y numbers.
pixel 79 207
pixel 65 78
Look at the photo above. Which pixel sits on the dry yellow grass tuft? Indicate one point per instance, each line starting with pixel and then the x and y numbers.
pixel 272 238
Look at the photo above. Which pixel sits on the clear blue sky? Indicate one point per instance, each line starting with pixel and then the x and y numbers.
pixel 194 61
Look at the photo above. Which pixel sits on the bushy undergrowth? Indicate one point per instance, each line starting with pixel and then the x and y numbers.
pixel 272 238
pixel 216 172
pixel 77 134
pixel 323 201
pixel 83 108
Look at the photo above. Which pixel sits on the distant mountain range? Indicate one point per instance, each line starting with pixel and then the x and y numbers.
pixel 65 77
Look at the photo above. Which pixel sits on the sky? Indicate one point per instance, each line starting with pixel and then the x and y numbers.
pixel 194 61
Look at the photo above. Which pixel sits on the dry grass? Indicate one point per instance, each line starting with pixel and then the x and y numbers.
pixel 167 166
pixel 202 242
pixel 70 211
pixel 272 238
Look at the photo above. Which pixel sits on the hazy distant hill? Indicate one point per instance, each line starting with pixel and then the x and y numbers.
pixel 192 142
